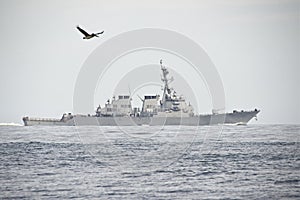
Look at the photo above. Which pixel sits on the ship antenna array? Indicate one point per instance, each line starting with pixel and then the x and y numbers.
pixel 166 83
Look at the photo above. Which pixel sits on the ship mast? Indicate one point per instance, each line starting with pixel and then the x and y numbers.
pixel 167 90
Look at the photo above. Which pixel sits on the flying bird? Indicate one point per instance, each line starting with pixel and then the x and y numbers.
pixel 87 35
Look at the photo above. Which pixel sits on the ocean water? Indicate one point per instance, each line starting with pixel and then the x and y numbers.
pixel 209 162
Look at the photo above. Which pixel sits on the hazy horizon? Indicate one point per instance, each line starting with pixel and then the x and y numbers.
pixel 255 46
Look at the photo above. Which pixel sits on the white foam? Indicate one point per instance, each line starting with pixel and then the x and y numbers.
pixel 10 124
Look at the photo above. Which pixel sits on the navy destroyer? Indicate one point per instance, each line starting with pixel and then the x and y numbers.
pixel 168 109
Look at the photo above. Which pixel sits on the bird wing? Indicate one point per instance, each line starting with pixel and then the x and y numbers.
pixel 100 33
pixel 83 31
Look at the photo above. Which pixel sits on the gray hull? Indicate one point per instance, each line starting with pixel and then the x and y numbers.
pixel 86 120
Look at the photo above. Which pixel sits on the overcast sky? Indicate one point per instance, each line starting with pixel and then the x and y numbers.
pixel 254 44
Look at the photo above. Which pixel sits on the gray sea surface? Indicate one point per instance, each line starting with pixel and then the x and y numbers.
pixel 209 162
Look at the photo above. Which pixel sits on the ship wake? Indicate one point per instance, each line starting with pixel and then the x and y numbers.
pixel 10 124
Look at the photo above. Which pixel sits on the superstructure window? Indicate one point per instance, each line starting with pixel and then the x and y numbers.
pixel 150 97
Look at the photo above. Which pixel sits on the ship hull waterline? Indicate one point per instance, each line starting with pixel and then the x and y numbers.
pixel 201 120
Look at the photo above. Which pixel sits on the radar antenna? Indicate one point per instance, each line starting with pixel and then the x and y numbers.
pixel 167 90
